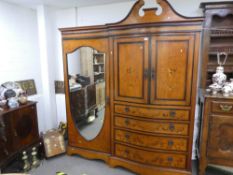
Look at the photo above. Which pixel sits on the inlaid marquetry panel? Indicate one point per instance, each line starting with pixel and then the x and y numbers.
pixel 172 66
pixel 131 69
pixel 151 158
pixel 153 113
pixel 155 142
pixel 153 127
pixel 220 142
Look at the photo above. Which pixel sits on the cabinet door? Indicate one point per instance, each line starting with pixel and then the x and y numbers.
pixel 172 68
pixel 220 140
pixel 131 69
pixel 24 126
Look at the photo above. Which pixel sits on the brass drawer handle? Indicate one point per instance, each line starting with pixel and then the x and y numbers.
pixel 127 136
pixel 6 152
pixel 127 152
pixel 15 133
pixel 171 127
pixel 127 109
pixel 127 122
pixel 170 159
pixel 170 143
pixel 2 124
pixel 4 138
pixel 226 108
pixel 172 113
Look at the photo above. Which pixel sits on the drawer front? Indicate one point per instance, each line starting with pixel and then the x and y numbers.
pixel 222 107
pixel 153 113
pixel 151 158
pixel 163 143
pixel 153 127
pixel 220 140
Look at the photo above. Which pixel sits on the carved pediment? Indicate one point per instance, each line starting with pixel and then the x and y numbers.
pixel 160 13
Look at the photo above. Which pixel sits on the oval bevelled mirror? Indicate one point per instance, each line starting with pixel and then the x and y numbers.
pixel 86 75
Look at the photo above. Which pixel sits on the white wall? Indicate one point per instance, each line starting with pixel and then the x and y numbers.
pixel 61 18
pixel 47 59
pixel 20 58
pixel 18 44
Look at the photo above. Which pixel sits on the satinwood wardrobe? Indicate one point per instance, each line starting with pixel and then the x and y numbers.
pixel 138 79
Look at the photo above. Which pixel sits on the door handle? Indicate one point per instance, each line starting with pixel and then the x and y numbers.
pixel 152 74
pixel 146 72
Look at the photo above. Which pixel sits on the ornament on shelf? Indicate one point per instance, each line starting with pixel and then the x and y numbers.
pixel 228 88
pixel 219 78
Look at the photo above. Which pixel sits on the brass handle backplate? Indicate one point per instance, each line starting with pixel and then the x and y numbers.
pixel 172 113
pixel 170 159
pixel 127 122
pixel 226 108
pixel 170 143
pixel 127 136
pixel 171 127
pixel 127 109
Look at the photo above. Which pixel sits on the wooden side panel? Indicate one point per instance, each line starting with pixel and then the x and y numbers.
pixel 130 68
pixel 172 67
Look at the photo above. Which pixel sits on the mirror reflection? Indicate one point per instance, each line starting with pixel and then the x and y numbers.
pixel 86 69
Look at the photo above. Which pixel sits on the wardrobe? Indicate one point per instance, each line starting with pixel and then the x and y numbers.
pixel 150 67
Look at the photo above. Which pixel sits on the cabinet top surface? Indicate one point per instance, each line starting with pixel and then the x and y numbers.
pixel 7 110
pixel 203 93
pixel 216 5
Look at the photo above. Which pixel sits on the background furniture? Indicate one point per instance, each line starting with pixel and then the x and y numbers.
pixel 151 82
pixel 217 37
pixel 18 131
pixel 217 119
pixel 217 127
pixel 83 100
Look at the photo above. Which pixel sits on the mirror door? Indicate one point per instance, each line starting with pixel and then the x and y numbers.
pixel 86 83
pixel 86 68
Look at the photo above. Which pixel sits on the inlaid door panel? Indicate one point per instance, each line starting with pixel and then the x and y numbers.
pixel 172 67
pixel 131 69
pixel 220 142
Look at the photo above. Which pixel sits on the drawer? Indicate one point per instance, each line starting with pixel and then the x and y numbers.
pixel 220 140
pixel 153 113
pixel 222 107
pixel 153 127
pixel 151 158
pixel 163 143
